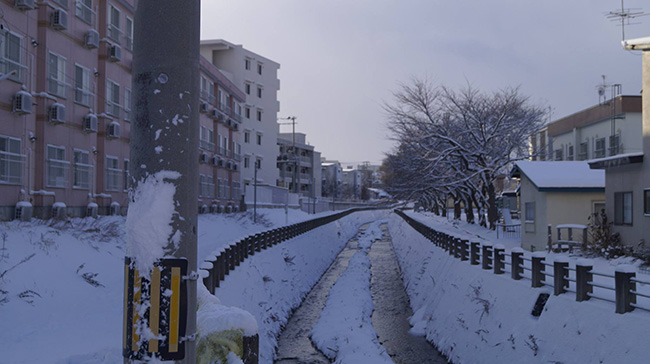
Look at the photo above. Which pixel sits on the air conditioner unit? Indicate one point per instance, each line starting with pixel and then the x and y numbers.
pixel 59 19
pixel 236 126
pixel 234 167
pixel 90 123
pixel 91 210
pixel 91 39
pixel 114 53
pixel 203 209
pixel 24 5
pixel 214 114
pixel 235 208
pixel 221 163
pixel 115 209
pixel 214 209
pixel 204 108
pixel 23 211
pixel 221 118
pixel 229 122
pixel 203 158
pixel 229 208
pixel 57 113
pixel 59 211
pixel 113 130
pixel 215 161
pixel 22 103
pixel 229 165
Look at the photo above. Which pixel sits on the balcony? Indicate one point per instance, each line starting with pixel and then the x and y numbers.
pixel 11 168
pixel 207 97
pixel 236 157
pixel 237 117
pixel 225 108
pixel 207 145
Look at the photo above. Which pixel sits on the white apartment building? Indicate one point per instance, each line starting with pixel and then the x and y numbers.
pixel 257 76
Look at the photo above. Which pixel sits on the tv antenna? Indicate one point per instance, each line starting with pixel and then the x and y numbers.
pixel 616 90
pixel 625 16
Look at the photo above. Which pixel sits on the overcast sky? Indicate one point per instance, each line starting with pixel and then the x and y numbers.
pixel 341 59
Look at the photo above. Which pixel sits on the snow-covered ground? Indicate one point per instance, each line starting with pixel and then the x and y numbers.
pixel 272 283
pixel 344 331
pixel 474 316
pixel 61 283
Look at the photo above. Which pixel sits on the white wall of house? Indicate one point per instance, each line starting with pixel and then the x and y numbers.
pixel 234 59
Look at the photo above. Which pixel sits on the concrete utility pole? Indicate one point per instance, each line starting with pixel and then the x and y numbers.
pixel 165 130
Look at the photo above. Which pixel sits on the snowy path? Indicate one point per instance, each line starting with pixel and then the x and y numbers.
pixel 348 303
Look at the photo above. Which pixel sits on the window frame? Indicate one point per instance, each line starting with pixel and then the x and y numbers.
pixel 112 108
pixel 11 64
pixel 82 10
pixel 80 168
pixel 529 208
pixel 86 87
pixel 8 159
pixel 59 78
pixel 114 29
pixel 51 164
pixel 128 38
pixel 646 202
pixel 113 174
pixel 620 208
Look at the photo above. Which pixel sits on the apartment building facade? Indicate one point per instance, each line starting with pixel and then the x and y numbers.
pixel 331 178
pixel 604 130
pixel 65 106
pixel 257 76
pixel 300 162
pixel 65 112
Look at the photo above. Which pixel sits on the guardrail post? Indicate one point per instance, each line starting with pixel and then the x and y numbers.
pixel 499 259
pixel 246 247
pixel 474 248
pixel 221 264
pixel 560 275
pixel 257 242
pixel 549 235
pixel 464 250
pixel 517 260
pixel 486 256
pixel 624 287
pixel 251 349
pixel 232 257
pixel 452 246
pixel 537 270
pixel 583 279
pixel 239 254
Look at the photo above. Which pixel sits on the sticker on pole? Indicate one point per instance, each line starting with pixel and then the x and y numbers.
pixel 155 310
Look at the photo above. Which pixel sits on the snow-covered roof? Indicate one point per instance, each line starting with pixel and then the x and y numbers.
pixel 560 174
pixel 637 44
pixel 616 160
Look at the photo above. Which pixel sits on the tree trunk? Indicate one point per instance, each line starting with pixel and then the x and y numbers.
pixel 435 208
pixel 456 208
pixel 469 212
pixel 492 212
pixel 443 207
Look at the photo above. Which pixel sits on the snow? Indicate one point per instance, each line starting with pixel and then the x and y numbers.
pixel 212 316
pixel 475 316
pixel 149 219
pixel 273 282
pixel 571 226
pixel 344 330
pixel 561 174
pixel 49 299
pixel 617 156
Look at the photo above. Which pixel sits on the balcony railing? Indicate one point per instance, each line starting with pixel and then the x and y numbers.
pixel 85 13
pixel 236 156
pixel 225 108
pixel 8 65
pixel 207 96
pixel 207 145
pixel 237 117
pixel 83 97
pixel 57 172
pixel 223 151
pixel 599 153
pixel 114 33
pixel 11 168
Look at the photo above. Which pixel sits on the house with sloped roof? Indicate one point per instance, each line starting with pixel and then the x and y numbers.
pixel 556 193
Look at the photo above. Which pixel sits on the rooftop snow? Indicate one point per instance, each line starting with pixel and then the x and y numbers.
pixel 561 174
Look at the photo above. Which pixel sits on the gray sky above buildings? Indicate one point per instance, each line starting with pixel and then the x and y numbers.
pixel 340 59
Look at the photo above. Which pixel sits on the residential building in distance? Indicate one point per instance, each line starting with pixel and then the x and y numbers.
pixel 220 141
pixel 257 76
pixel 65 107
pixel 555 194
pixel 331 177
pixel 298 161
pixel 627 174
pixel 351 180
pixel 607 129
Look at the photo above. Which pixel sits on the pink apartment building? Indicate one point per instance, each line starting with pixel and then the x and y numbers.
pixel 65 111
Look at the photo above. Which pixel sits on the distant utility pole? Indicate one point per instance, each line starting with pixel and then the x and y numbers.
pixel 164 137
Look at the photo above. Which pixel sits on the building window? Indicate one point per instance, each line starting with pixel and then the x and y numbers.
pixel 246 162
pixel 127 104
pixel 207 138
pixel 259 115
pixel 221 188
pixel 646 202
pixel 582 154
pixel 236 190
pixel 84 11
pixel 258 163
pixel 247 88
pixel 81 169
pixel 569 153
pixel 247 63
pixel 126 174
pixel 530 212
pixel 82 86
pixel 599 150
pixel 558 154
pixel 259 92
pixel 114 31
pixel 56 84
pixel 259 139
pixel 207 90
pixel 56 167
pixel 11 58
pixel 63 3
pixel 11 161
pixel 129 33
pixel 247 137
pixel 623 208
pixel 113 174
pixel 112 98
pixel 206 186
pixel 259 68
pixel 614 144
pixel 248 112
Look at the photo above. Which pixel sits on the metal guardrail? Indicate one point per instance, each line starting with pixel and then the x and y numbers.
pixel 563 278
pixel 234 254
